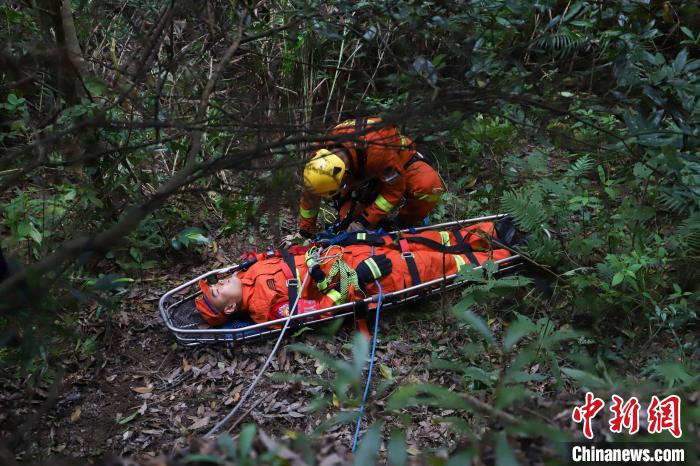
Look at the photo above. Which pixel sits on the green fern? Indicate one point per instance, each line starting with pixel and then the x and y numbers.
pixel 525 207
pixel 581 167
pixel 674 200
pixel 689 232
pixel 563 42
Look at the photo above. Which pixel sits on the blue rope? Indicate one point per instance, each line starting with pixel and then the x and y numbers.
pixel 371 364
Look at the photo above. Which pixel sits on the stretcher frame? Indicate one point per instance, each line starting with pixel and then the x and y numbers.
pixel 181 299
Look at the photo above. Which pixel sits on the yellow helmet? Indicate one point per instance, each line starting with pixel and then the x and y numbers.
pixel 323 174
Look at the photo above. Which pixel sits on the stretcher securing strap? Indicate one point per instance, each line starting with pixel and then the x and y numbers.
pixel 350 239
pixel 373 239
pixel 410 261
pixel 289 269
pixel 459 248
pixel 468 251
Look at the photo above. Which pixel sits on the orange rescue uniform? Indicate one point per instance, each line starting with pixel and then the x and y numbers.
pixel 265 282
pixel 390 158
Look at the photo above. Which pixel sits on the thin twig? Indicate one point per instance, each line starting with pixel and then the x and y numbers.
pixel 249 410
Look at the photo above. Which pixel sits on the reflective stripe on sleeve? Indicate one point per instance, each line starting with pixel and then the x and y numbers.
pixel 445 236
pixel 383 204
pixel 361 236
pixel 346 123
pixel 374 268
pixel 335 296
pixel 459 261
pixel 308 213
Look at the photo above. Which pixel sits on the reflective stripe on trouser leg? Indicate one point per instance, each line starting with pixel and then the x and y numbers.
pixel 459 261
pixel 445 237
pixel 421 179
pixel 427 197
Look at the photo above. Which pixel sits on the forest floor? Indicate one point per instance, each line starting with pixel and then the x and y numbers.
pixel 140 394
pixel 137 393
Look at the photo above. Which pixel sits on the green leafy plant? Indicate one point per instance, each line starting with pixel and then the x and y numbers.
pixel 191 236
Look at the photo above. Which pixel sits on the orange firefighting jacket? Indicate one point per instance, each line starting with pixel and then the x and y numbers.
pixel 265 282
pixel 379 155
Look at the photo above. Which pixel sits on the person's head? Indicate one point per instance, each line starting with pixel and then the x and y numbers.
pixel 323 174
pixel 220 300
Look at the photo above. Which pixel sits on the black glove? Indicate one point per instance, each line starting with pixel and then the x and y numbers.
pixel 508 233
pixel 316 273
pixel 373 268
pixel 505 229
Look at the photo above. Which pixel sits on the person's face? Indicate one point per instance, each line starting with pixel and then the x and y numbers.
pixel 227 294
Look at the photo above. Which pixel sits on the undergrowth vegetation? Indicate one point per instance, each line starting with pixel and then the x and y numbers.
pixel 155 133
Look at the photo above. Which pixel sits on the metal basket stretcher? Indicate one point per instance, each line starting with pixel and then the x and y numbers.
pixel 183 320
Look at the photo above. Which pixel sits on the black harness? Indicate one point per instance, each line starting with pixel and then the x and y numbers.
pixel 415 158
pixel 367 191
pixel 355 194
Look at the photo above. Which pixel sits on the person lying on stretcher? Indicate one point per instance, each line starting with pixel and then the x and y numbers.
pixel 345 272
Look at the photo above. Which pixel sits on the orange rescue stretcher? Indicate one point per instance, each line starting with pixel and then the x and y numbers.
pixel 180 316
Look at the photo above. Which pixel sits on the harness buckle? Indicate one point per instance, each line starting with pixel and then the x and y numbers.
pixel 406 254
pixel 292 281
